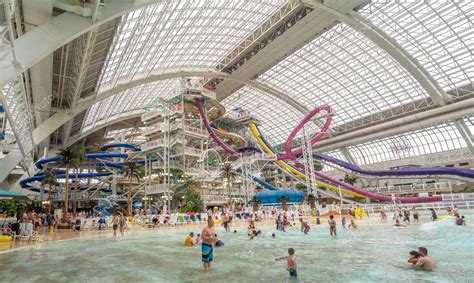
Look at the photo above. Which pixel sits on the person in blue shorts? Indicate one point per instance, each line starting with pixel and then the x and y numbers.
pixel 208 242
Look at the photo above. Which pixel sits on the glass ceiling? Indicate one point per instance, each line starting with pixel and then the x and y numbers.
pixel 347 71
pixel 341 67
pixel 439 34
pixel 130 100
pixel 425 141
pixel 183 33
pixel 277 117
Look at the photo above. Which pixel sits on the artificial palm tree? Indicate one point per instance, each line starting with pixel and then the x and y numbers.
pixel 131 170
pixel 188 190
pixel 229 174
pixel 50 180
pixel 80 152
pixel 70 158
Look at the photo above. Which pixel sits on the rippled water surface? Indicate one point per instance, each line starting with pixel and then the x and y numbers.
pixel 373 253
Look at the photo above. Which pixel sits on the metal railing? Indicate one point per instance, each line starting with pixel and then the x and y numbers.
pixel 443 186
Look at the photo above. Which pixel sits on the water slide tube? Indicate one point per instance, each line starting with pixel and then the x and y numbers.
pixel 38 178
pixel 273 193
pixel 213 135
pixel 292 153
pixel 468 173
pixel 293 195
pixel 120 145
pixel 40 163
pixel 293 169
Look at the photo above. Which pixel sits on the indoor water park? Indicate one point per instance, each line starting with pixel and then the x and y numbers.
pixel 236 141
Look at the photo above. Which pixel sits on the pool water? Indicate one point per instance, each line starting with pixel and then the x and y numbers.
pixel 374 252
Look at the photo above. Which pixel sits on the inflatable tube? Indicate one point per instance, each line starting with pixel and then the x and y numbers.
pixel 6 238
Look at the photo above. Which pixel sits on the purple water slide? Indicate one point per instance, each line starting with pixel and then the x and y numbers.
pixel 291 154
pixel 211 132
pixel 468 173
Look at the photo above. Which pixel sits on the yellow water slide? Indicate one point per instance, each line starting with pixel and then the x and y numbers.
pixel 258 136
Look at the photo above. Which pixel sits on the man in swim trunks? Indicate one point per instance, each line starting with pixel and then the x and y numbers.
pixel 208 242
pixel 424 262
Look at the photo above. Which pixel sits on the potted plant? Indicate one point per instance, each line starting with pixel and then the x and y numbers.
pixel 283 200
pixel 312 201
pixel 255 203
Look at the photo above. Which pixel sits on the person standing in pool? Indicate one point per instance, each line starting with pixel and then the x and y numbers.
pixel 208 242
pixel 332 225
pixel 415 214
pixel 122 223
pixel 424 262
pixel 115 221
pixel 434 217
pixel 291 262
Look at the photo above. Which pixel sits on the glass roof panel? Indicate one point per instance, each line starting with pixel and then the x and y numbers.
pixel 277 118
pixel 434 139
pixel 439 34
pixel 132 99
pixel 347 71
pixel 182 33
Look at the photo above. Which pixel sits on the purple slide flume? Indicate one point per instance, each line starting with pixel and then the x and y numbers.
pixel 415 171
pixel 211 132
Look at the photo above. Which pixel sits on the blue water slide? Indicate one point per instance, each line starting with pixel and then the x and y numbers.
pixel 293 195
pixel 120 145
pixel 39 177
pixel 40 163
pixel 272 194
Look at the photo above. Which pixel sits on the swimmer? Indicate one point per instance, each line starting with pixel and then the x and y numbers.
pixel 198 240
pixel 343 222
pixel 208 241
pixel 219 243
pixel 122 223
pixel 414 256
pixel 353 225
pixel 434 217
pixel 306 228
pixel 115 221
pixel 424 262
pixel 235 231
pixel 188 241
pixel 273 236
pixel 291 262
pixel 460 221
pixel 398 224
pixel 332 226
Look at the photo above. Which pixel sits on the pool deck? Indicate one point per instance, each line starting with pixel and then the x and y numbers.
pixel 60 235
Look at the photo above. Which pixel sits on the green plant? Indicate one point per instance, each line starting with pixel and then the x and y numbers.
pixel 11 207
pixel 70 158
pixel 229 174
pixel 50 180
pixel 131 170
pixel 188 192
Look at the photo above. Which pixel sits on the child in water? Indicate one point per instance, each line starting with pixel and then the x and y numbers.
pixel 306 227
pixel 291 262
pixel 343 222
pixel 414 256
pixel 219 243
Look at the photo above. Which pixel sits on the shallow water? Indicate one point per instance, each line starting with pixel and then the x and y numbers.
pixel 374 252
